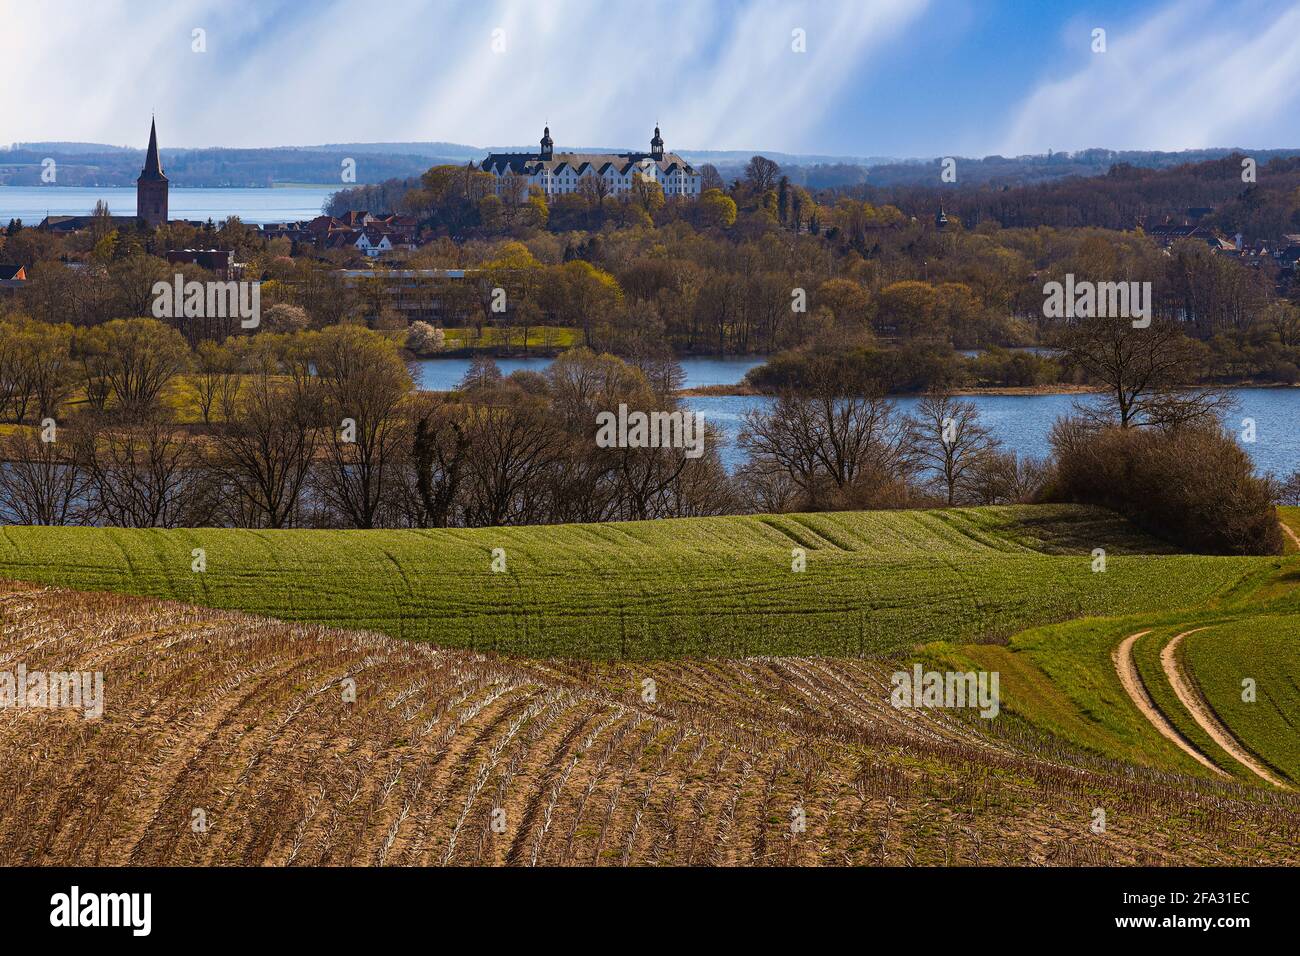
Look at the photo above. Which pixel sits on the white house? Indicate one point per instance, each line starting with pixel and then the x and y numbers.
pixel 369 242
pixel 558 173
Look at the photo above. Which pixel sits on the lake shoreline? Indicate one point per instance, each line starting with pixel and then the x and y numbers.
pixel 1020 417
pixel 253 204
pixel 1028 391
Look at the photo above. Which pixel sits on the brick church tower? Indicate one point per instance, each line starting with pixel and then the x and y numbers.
pixel 151 187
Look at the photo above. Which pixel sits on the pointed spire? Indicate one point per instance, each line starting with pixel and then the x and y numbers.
pixel 152 163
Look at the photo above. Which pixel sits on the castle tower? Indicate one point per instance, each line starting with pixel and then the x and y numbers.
pixel 657 146
pixel 548 144
pixel 151 187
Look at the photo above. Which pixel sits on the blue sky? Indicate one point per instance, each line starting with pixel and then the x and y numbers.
pixel 877 77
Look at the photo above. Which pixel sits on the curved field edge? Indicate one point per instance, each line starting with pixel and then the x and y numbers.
pixel 1263 714
pixel 1061 681
pixel 875 582
pixel 453 757
pixel 1147 653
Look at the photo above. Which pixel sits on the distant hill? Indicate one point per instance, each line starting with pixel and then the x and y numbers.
pixel 97 164
pixel 87 164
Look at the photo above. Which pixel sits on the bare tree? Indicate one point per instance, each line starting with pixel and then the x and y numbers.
pixel 838 449
pixel 761 174
pixel 139 358
pixel 593 188
pixel 1000 478
pixel 439 451
pixel 146 474
pixel 949 442
pixel 42 368
pixel 41 482
pixel 710 178
pixel 265 450
pixel 1146 373
pixel 514 445
pixel 214 365
pixel 1288 489
pixel 363 381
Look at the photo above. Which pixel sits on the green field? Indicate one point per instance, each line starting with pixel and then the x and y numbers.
pixel 539 337
pixel 1265 649
pixel 875 581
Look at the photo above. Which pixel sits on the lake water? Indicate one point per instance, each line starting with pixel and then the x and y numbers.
pixel 1021 422
pixel 31 204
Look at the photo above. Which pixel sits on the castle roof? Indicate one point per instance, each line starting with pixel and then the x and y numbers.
pixel 527 164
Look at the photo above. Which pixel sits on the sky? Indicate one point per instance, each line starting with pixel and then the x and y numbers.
pixel 866 78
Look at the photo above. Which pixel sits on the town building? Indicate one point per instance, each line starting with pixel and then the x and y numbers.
pixel 556 174
pixel 66 225
pixel 219 261
pixel 150 199
pixel 369 234
pixel 1167 233
pixel 151 186
pixel 12 276
pixel 440 296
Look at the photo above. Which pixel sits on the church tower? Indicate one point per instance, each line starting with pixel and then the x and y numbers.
pixel 657 146
pixel 548 144
pixel 151 187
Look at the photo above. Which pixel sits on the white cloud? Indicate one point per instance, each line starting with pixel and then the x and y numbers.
pixel 714 73
pixel 1192 75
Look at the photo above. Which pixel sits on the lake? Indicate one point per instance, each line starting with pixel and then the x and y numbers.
pixel 1021 422
pixel 31 204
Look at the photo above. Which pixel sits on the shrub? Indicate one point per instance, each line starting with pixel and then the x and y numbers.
pixel 1192 486
pixel 425 338
pixel 914 367
pixel 284 317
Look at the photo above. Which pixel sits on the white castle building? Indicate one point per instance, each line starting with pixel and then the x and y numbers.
pixel 558 173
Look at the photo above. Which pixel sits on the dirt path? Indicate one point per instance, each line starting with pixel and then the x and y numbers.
pixel 1204 716
pixel 1286 529
pixel 1129 677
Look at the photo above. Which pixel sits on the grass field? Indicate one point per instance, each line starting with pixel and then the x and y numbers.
pixel 547 337
pixel 875 582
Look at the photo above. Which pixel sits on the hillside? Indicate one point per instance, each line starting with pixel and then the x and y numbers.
pixel 226 739
pixel 875 582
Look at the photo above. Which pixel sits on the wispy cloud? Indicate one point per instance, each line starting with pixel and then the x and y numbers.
pixel 715 73
pixel 1190 75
